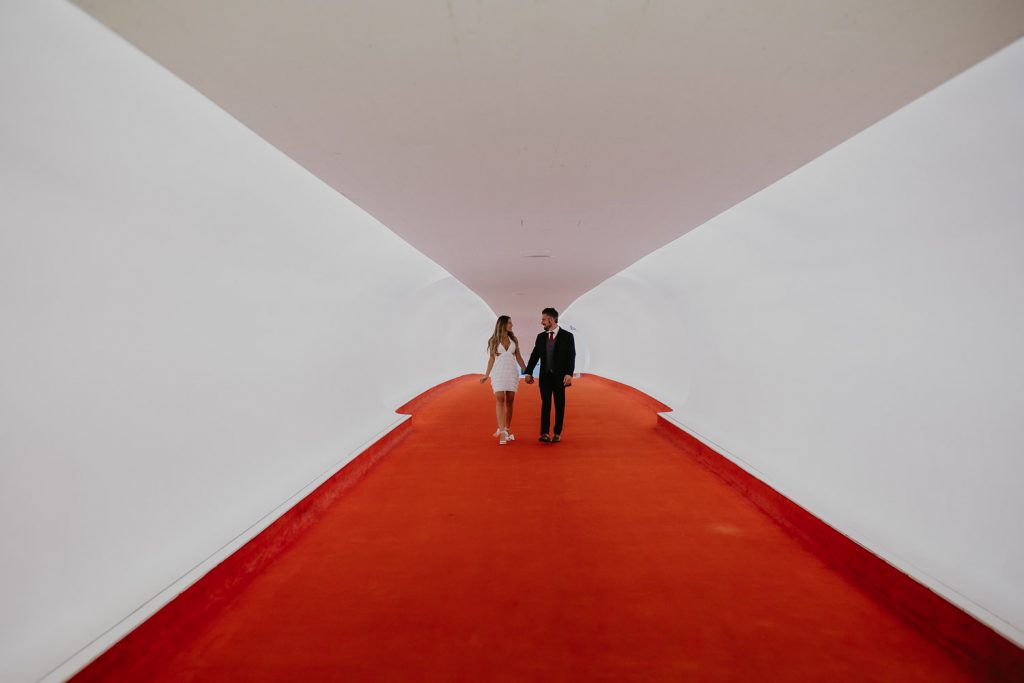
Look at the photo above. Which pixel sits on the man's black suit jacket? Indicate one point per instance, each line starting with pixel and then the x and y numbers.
pixel 564 355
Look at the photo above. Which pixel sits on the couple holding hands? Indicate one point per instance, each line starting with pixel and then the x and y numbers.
pixel 555 349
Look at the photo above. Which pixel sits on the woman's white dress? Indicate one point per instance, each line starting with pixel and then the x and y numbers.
pixel 505 373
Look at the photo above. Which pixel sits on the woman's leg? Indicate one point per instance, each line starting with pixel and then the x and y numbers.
pixel 510 400
pixel 499 408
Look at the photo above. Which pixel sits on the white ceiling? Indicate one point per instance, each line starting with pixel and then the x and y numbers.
pixel 592 132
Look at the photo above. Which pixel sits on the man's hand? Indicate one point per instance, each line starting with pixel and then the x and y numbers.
pixel 529 379
pixel 567 380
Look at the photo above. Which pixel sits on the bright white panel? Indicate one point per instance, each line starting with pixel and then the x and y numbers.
pixel 194 327
pixel 853 336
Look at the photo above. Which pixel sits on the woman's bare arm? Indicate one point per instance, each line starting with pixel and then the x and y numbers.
pixel 519 357
pixel 490 364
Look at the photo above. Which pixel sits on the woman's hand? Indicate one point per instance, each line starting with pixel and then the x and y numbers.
pixel 483 379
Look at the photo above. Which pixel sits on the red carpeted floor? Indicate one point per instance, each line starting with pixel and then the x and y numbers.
pixel 611 556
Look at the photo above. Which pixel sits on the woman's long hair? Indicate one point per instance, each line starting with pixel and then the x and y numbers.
pixel 500 330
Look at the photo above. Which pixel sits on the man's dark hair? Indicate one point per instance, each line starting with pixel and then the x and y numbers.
pixel 552 312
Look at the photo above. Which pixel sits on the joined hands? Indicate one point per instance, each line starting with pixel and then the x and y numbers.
pixel 566 381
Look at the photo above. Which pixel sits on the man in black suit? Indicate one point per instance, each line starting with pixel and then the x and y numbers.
pixel 555 348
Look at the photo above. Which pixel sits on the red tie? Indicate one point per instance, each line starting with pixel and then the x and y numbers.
pixel 551 336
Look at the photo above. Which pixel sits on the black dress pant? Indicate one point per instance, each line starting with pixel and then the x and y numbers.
pixel 551 386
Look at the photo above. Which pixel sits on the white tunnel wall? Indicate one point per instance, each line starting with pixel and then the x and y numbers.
pixel 194 327
pixel 854 336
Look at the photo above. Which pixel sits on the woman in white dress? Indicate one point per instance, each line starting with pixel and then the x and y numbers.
pixel 503 369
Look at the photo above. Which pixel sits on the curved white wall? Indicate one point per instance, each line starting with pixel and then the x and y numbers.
pixel 854 335
pixel 194 328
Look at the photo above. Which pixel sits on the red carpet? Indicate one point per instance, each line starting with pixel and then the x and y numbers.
pixel 611 556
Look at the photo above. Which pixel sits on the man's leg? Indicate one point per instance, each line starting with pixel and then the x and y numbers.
pixel 559 392
pixel 546 387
